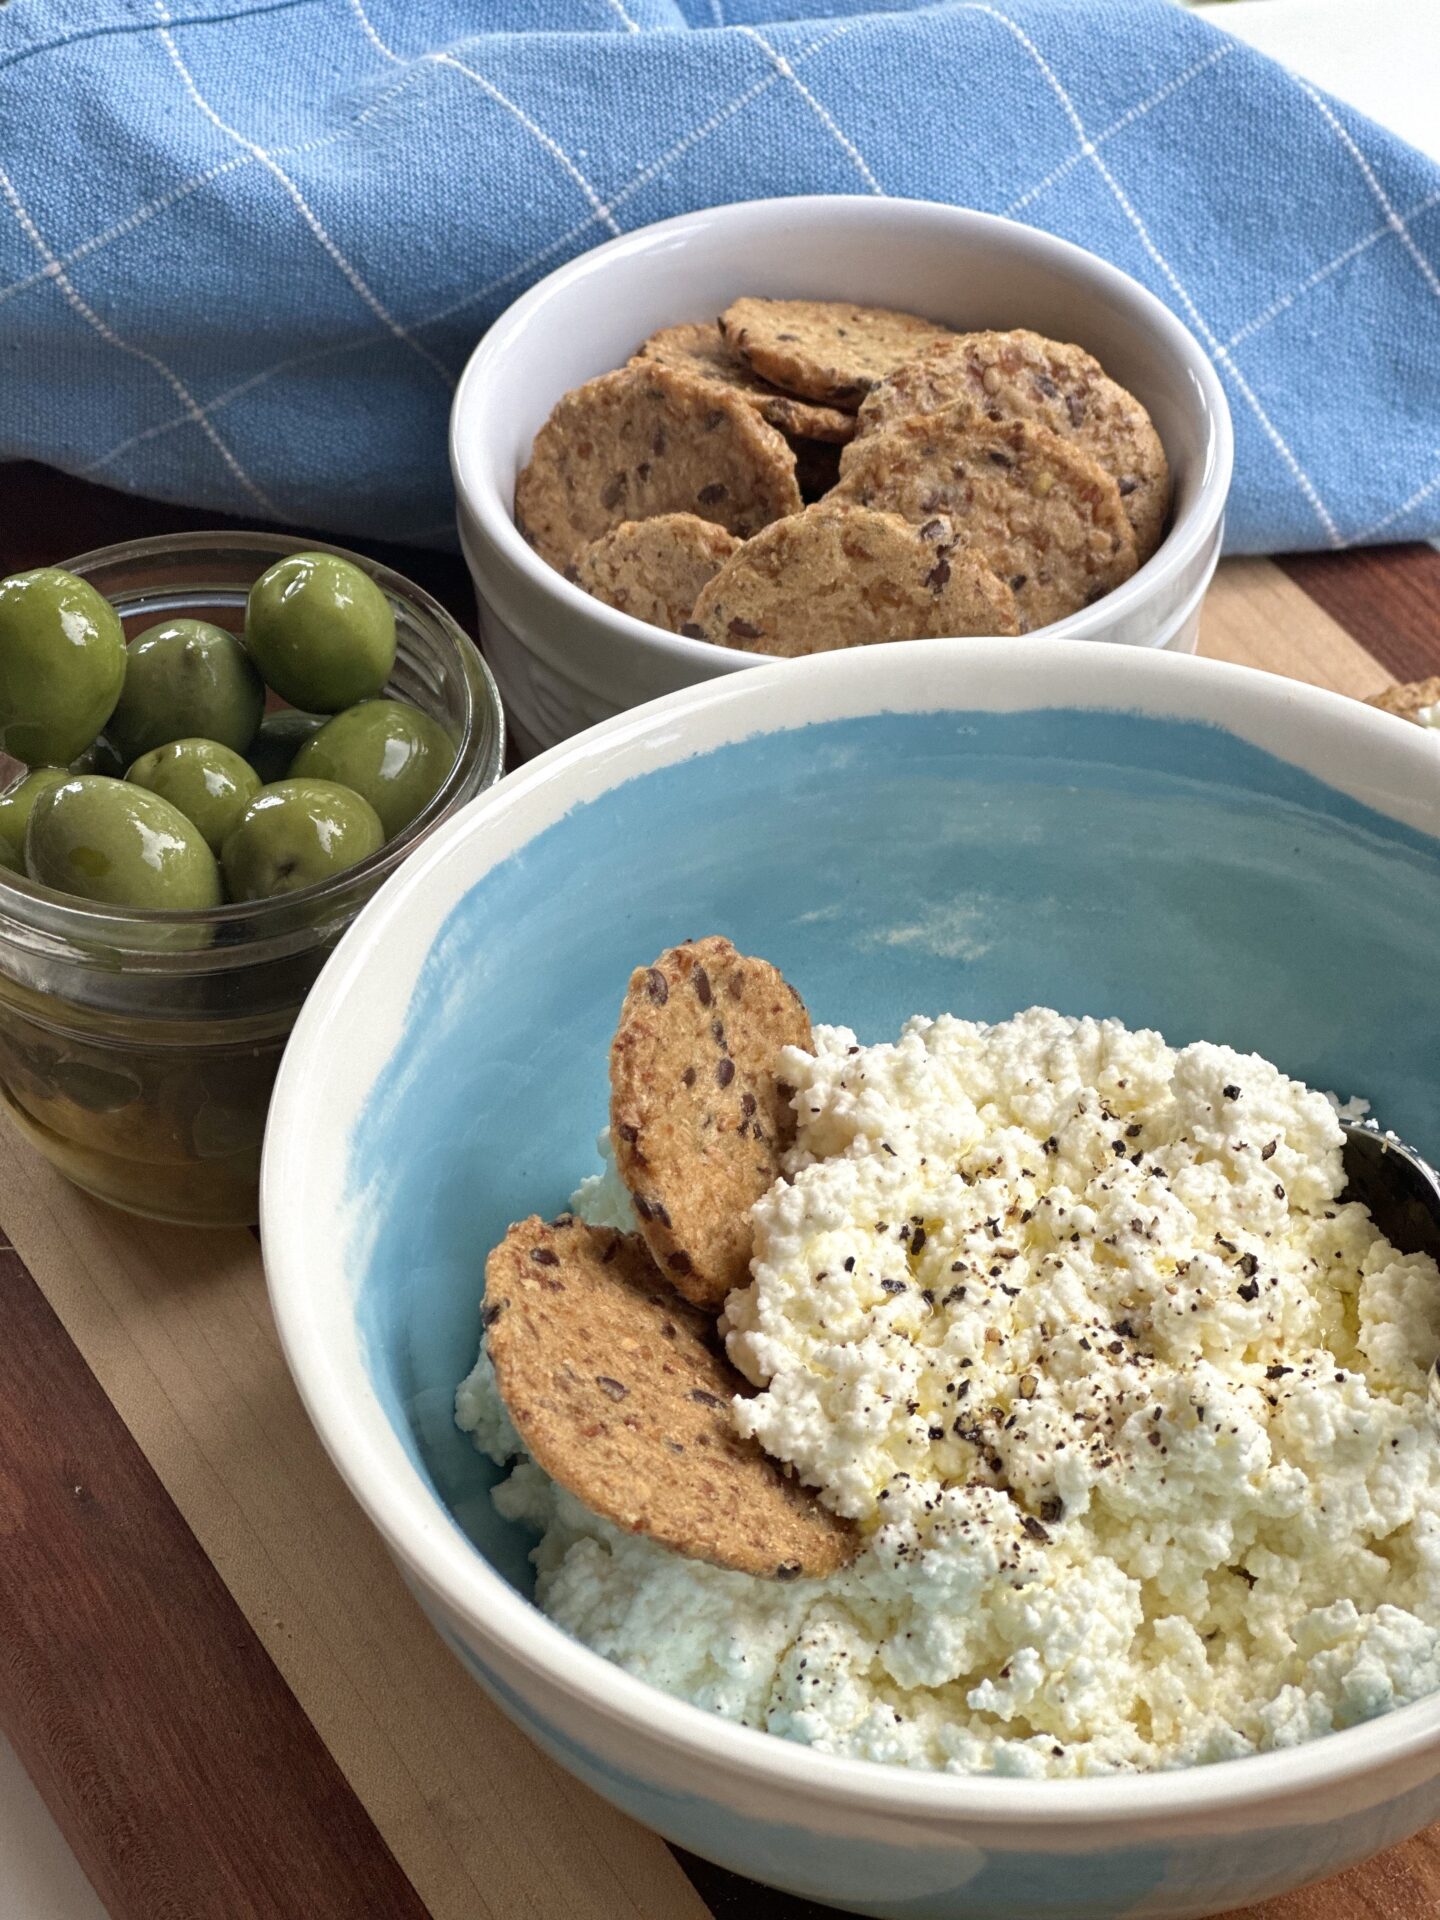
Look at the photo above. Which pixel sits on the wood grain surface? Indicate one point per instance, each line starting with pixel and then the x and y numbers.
pixel 209 1793
pixel 1386 598
pixel 209 1665
pixel 175 1326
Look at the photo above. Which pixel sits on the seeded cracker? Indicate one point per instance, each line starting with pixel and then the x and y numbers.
pixel 700 349
pixel 1407 698
pixel 647 440
pixel 654 569
pixel 698 1120
pixel 1041 512
pixel 619 1392
pixel 826 349
pixel 845 576
pixel 1021 375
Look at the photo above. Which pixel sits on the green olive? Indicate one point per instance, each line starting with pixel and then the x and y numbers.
pixel 210 784
pixel 99 1089
pixel 110 842
pixel 15 812
pixel 296 833
pixel 62 662
pixel 281 736
pixel 321 631
pixel 391 753
pixel 186 679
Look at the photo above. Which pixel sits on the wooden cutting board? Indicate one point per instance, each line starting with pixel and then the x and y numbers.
pixel 227 1698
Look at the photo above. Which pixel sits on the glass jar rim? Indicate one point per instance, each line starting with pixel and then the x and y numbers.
pixel 187 937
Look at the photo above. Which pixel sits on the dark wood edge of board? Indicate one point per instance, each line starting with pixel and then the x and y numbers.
pixel 1386 598
pixel 161 1735
pixel 172 1755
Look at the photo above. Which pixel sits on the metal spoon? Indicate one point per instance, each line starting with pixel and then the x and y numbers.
pixel 1401 1190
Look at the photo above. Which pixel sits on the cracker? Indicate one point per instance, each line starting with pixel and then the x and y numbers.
pixel 654 569
pixel 621 1394
pixel 1045 516
pixel 698 1120
pixel 828 350
pixel 647 440
pixel 700 349
pixel 847 576
pixel 1407 698
pixel 1021 375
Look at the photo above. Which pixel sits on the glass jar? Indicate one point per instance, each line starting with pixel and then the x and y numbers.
pixel 138 1049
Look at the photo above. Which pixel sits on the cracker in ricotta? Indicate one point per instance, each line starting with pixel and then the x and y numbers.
pixel 1130 1409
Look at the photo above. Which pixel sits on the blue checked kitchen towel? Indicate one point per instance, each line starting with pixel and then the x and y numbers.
pixel 246 245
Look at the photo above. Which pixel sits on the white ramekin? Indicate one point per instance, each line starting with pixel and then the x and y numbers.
pixel 565 660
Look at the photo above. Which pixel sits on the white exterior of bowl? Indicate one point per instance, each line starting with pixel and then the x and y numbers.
pixel 565 660
pixel 870 1839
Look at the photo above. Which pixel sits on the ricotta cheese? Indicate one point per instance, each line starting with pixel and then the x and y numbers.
pixel 1131 1411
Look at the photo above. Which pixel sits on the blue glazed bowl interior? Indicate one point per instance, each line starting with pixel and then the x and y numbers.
pixel 1102 863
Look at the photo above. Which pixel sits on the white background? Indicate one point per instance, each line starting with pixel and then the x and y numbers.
pixel 1383 56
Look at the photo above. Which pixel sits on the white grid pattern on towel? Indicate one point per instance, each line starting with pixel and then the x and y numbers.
pixel 492 92
pixel 1127 119
pixel 1331 267
pixel 1218 352
pixel 302 205
pixel 193 410
pixel 1417 499
pixel 1392 218
pixel 601 212
pixel 645 177
pixel 823 115
pixel 172 196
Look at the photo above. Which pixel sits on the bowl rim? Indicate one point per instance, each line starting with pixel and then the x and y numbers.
pixel 492 511
pixel 1242 701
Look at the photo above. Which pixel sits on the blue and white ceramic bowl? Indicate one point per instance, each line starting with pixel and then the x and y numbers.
pixel 971 826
